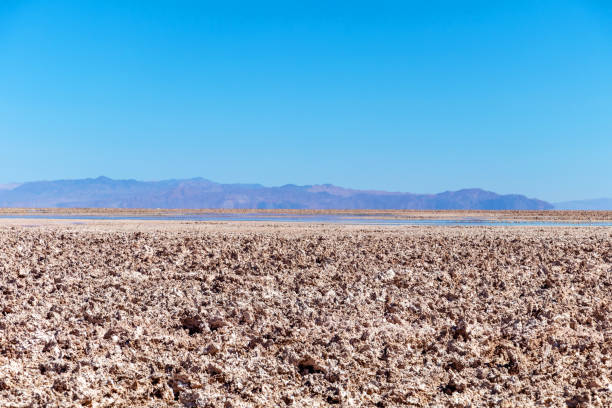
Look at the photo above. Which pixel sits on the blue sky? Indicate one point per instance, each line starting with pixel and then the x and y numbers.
pixel 420 96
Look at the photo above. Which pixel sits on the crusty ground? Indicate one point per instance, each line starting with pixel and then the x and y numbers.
pixel 248 314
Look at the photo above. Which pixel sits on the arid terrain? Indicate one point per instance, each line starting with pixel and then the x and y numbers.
pixel 507 215
pixel 188 314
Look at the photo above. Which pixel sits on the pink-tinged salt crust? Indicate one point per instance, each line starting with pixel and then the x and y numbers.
pixel 158 314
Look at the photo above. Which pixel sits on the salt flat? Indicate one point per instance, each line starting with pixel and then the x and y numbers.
pixel 169 313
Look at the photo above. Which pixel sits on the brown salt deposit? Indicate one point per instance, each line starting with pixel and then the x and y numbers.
pixel 137 313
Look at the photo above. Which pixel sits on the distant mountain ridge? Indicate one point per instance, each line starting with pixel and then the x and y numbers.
pixel 201 193
pixel 596 204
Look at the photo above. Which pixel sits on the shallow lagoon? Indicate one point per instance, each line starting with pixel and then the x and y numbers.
pixel 322 219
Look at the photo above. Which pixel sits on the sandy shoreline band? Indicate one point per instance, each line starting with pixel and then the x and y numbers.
pixel 527 215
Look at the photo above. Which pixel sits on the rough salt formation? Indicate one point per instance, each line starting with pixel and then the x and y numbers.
pixel 196 315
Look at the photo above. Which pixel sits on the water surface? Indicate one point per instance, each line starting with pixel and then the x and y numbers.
pixel 322 219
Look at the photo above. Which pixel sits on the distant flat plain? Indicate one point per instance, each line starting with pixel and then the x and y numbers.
pixel 511 215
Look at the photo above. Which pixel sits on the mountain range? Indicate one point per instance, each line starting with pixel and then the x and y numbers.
pixel 597 204
pixel 103 192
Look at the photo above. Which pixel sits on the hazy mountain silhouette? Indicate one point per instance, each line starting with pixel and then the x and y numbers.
pixel 596 204
pixel 202 193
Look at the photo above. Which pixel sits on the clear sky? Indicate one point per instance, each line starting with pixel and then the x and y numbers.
pixel 418 96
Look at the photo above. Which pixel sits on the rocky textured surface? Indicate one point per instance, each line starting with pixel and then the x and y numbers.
pixel 228 315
